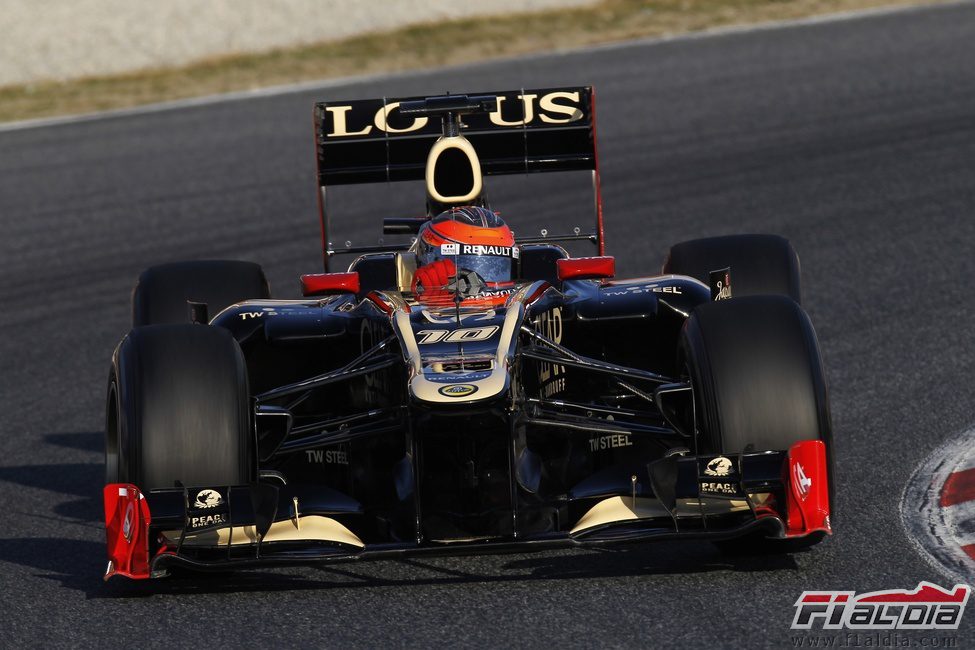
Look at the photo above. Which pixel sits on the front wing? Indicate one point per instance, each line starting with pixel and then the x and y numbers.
pixel 783 495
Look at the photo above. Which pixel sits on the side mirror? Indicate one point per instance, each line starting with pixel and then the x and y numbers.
pixel 324 284
pixel 586 268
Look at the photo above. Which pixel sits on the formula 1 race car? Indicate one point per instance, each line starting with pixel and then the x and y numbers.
pixel 463 391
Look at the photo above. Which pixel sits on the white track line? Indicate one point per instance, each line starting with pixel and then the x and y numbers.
pixel 287 89
pixel 936 532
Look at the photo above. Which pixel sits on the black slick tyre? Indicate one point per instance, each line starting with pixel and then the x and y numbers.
pixel 760 264
pixel 162 292
pixel 178 409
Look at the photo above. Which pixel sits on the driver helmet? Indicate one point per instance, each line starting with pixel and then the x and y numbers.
pixel 478 245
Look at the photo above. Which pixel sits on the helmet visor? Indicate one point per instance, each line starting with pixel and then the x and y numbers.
pixel 493 271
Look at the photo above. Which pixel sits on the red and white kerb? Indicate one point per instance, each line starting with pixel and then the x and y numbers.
pixel 938 507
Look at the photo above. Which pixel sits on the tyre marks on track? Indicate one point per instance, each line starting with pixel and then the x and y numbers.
pixel 938 507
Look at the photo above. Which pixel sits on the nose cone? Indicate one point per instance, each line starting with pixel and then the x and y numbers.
pixel 459 358
pixel 459 388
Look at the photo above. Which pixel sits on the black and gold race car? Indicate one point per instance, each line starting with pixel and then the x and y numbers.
pixel 381 415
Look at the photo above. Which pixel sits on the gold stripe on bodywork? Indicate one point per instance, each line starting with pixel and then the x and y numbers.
pixel 512 319
pixel 615 509
pixel 620 509
pixel 313 528
pixel 409 340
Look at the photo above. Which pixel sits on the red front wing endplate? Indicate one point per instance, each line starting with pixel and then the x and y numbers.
pixel 807 489
pixel 127 531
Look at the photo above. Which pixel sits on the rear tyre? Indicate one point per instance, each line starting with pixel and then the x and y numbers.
pixel 758 380
pixel 162 292
pixel 760 264
pixel 178 409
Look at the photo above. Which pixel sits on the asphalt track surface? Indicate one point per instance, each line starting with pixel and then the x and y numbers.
pixel 855 139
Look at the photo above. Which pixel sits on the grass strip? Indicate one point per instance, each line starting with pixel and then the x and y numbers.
pixel 419 46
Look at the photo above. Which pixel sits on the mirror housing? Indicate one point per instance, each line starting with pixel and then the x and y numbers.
pixel 586 268
pixel 326 284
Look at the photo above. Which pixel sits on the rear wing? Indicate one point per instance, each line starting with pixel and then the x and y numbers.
pixel 526 131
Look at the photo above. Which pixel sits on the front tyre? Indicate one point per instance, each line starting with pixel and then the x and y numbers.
pixel 162 292
pixel 758 381
pixel 760 264
pixel 178 409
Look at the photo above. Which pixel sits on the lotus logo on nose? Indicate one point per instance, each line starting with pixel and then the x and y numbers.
pixel 458 390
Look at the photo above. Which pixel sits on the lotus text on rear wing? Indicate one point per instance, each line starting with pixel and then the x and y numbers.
pixel 558 107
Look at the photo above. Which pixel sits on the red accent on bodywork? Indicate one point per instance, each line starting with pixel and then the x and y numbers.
pixel 541 289
pixel 958 488
pixel 807 489
pixel 323 284
pixel 445 300
pixel 597 183
pixel 382 304
pixel 127 531
pixel 322 217
pixel 586 268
